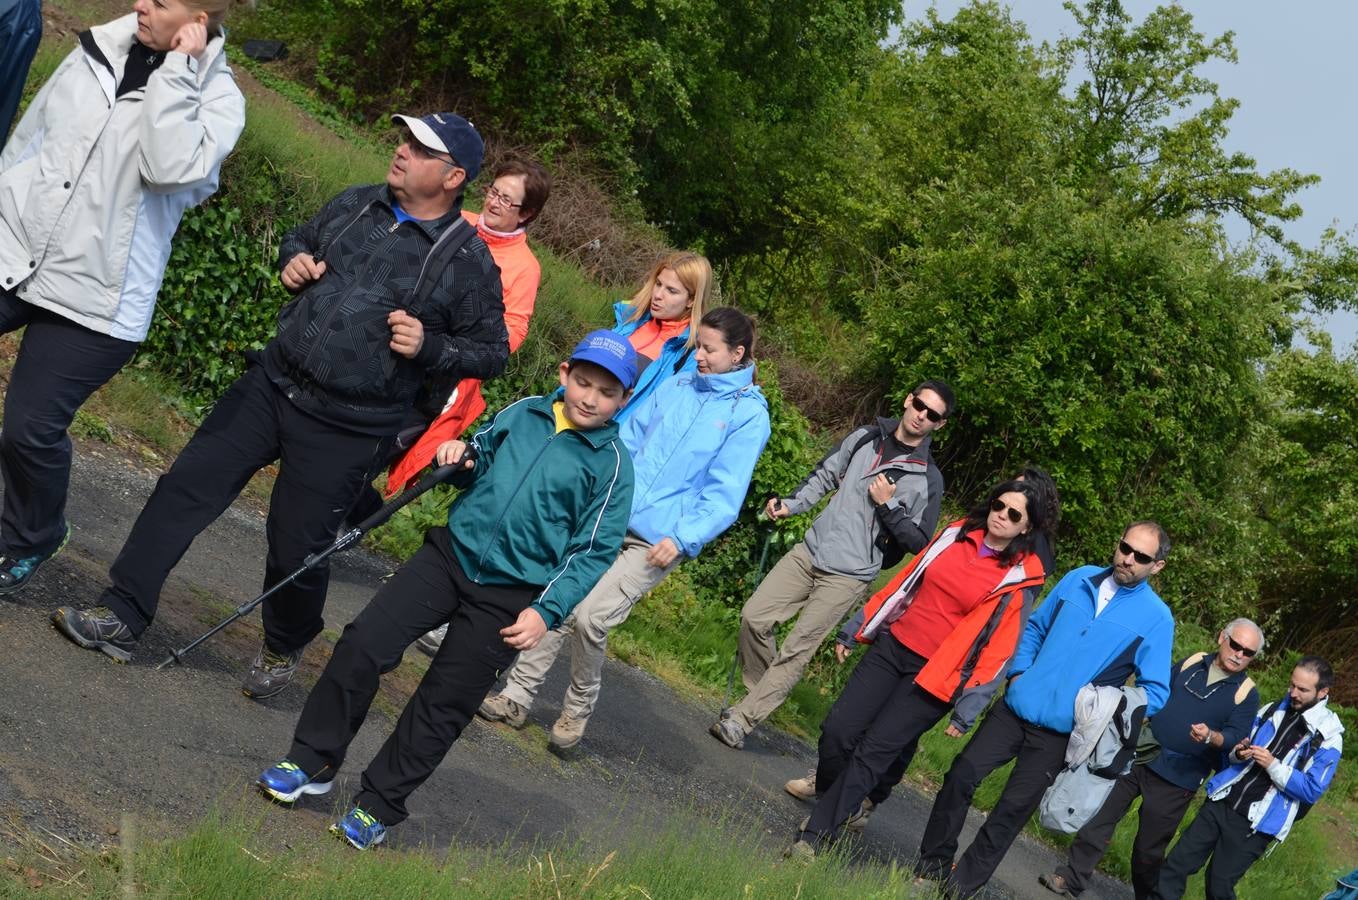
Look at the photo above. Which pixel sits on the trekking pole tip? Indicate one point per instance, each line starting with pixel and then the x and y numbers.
pixel 172 658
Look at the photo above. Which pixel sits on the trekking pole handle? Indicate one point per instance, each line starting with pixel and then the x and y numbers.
pixel 438 475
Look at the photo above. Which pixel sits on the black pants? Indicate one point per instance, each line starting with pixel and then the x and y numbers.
pixel 253 424
pixel 1163 805
pixel 428 590
pixel 1039 755
pixel 1224 835
pixel 880 713
pixel 59 365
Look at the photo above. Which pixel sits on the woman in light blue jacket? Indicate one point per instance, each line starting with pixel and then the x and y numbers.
pixel 694 441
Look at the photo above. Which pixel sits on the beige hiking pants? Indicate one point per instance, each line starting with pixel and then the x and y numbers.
pixel 792 586
pixel 586 629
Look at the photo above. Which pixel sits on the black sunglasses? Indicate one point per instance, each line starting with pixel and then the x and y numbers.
pixel 1015 515
pixel 1242 650
pixel 1144 559
pixel 921 406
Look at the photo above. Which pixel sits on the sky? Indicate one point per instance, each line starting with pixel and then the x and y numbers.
pixel 1297 82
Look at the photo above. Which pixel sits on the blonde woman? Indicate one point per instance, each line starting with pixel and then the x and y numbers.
pixel 661 321
pixel 128 133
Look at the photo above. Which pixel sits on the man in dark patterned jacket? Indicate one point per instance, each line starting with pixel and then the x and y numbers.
pixel 392 287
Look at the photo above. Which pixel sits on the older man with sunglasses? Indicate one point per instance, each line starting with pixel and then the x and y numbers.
pixel 1098 626
pixel 391 286
pixel 1211 707
pixel 887 497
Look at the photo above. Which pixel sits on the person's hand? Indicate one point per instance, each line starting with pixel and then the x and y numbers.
pixel 1260 755
pixel 953 731
pixel 775 509
pixel 452 451
pixel 407 333
pixel 1199 732
pixel 1239 748
pixel 526 631
pixel 662 553
pixel 190 39
pixel 842 652
pixel 881 490
pixel 300 270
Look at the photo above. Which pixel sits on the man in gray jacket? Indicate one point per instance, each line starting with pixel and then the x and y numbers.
pixel 887 495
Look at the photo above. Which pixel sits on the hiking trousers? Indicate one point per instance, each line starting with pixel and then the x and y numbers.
pixel 1163 805
pixel 1039 754
pixel 880 715
pixel 1225 836
pixel 60 364
pixel 321 469
pixel 793 587
pixel 428 591
pixel 586 630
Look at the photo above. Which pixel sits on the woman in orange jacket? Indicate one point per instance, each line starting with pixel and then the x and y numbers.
pixel 948 622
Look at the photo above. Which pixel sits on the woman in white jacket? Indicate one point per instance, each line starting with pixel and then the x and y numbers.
pixel 128 133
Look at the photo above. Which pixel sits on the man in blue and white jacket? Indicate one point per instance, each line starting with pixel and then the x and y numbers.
pixel 1274 777
pixel 1098 626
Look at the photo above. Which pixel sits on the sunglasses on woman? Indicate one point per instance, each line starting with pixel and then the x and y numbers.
pixel 1126 549
pixel 1015 515
pixel 930 414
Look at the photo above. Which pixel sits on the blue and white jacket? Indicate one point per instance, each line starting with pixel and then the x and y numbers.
pixel 676 356
pixel 1065 646
pixel 1299 779
pixel 694 442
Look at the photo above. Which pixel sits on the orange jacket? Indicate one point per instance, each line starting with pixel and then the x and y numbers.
pixel 980 646
pixel 520 275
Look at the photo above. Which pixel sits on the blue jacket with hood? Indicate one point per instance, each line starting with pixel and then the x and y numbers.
pixel 675 357
pixel 1065 646
pixel 694 442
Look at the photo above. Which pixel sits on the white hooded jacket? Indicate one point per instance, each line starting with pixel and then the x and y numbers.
pixel 92 187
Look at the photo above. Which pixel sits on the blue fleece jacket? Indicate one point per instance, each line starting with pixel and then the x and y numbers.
pixel 1065 646
pixel 694 443
pixel 674 352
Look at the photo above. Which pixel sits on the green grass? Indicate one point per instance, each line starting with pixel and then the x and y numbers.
pixel 253 853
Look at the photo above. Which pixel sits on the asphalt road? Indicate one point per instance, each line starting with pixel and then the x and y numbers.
pixel 84 741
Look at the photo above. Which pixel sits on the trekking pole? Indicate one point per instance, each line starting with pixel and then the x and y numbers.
pixel 735 659
pixel 344 541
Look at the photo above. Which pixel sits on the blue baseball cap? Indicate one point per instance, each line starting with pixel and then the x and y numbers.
pixel 611 351
pixel 448 133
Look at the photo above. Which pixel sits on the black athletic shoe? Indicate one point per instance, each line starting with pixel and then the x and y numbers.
pixel 96 629
pixel 270 673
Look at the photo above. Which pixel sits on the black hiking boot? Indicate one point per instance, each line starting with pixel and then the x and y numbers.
pixel 96 629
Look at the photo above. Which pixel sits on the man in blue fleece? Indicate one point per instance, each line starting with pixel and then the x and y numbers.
pixel 1098 626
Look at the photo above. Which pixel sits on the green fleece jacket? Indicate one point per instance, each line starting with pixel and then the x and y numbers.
pixel 542 508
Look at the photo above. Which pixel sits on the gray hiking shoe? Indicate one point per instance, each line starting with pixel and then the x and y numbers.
pixel 729 733
pixel 566 733
pixel 803 852
pixel 430 643
pixel 803 788
pixel 96 629
pixel 1054 883
pixel 499 708
pixel 270 673
pixel 859 820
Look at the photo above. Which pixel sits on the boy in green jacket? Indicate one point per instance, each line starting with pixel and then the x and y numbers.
pixel 545 509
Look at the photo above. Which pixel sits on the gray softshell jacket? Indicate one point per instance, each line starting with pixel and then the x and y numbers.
pixel 841 540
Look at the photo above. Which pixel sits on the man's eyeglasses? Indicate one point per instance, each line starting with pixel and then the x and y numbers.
pixel 1244 651
pixel 1126 549
pixel 931 415
pixel 423 152
pixel 1015 515
pixel 495 196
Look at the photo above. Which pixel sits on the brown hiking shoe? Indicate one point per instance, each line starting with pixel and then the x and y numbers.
pixel 803 788
pixel 499 708
pixel 1054 883
pixel 859 820
pixel 566 733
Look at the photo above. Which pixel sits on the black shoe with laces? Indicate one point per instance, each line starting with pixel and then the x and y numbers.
pixel 96 629
pixel 270 673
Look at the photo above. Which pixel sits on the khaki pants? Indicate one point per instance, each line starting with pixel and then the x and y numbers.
pixel 586 628
pixel 793 586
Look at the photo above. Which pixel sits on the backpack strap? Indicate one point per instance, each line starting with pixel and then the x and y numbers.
pixel 440 255
pixel 858 445
pixel 1192 661
pixel 1244 690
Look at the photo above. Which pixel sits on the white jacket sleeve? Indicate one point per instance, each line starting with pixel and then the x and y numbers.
pixel 187 129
